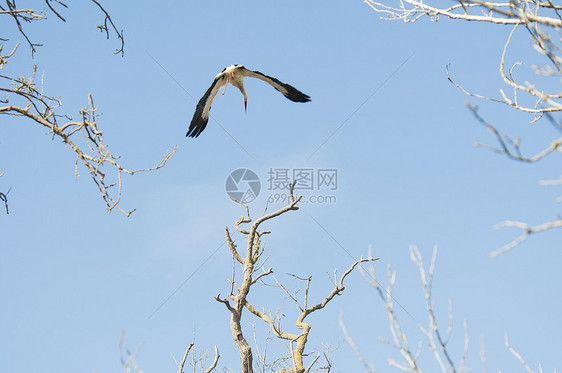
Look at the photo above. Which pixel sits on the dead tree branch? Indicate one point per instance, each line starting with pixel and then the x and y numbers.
pixel 4 198
pixel 21 16
pixel 23 96
pixel 253 253
pixel 300 340
pixel 180 370
pixel 507 13
pixel 198 361
pixel 435 340
pixel 527 231
pixel 128 358
pixel 511 148
pixel 103 28
pixel 438 344
pixel 542 21
pixel 237 299
pixel 81 136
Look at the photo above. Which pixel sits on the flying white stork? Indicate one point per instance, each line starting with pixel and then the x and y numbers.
pixel 235 74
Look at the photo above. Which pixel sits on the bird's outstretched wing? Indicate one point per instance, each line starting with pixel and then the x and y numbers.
pixel 287 90
pixel 201 116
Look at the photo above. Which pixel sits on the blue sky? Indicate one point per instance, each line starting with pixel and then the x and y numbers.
pixel 73 277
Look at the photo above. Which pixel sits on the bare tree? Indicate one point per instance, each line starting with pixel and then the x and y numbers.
pixel 436 341
pixel 198 362
pixel 541 99
pixel 237 300
pixel 24 97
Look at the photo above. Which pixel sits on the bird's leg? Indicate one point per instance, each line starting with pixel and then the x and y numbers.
pixel 227 80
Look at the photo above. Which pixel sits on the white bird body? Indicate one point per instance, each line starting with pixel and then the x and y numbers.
pixel 235 75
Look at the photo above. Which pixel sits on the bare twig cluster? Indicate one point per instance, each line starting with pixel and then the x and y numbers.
pixel 508 12
pixel 19 16
pixel 129 361
pixel 24 97
pixel 4 199
pixel 4 196
pixel 198 363
pixel 24 15
pixel 81 136
pixel 237 299
pixel 542 21
pixel 434 339
pixel 521 359
pixel 104 28
pixel 128 357
pixel 511 148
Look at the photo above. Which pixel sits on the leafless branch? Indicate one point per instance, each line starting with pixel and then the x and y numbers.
pixel 237 300
pixel 232 247
pixel 262 355
pixel 21 16
pixel 48 2
pixel 24 97
pixel 399 339
pixel 509 147
pixel 253 253
pixel 518 356
pixel 82 136
pixel 4 196
pixel 312 363
pixel 301 339
pixel 512 150
pixel 263 274
pixel 4 58
pixel 368 369
pixel 437 344
pixel 540 96
pixel 215 361
pixel 103 28
pixel 542 21
pixel 527 231
pixel 128 358
pixel 197 361
pixel 507 13
pixel 180 365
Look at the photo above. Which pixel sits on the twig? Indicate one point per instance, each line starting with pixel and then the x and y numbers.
pixel 215 361
pixel 527 231
pixel 185 357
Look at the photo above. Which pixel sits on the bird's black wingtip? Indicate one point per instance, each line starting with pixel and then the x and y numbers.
pixel 298 96
pixel 294 94
pixel 196 127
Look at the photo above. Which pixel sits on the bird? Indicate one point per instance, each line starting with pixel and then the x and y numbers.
pixel 235 74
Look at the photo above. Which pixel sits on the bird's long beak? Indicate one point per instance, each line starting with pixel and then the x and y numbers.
pixel 227 80
pixel 245 106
